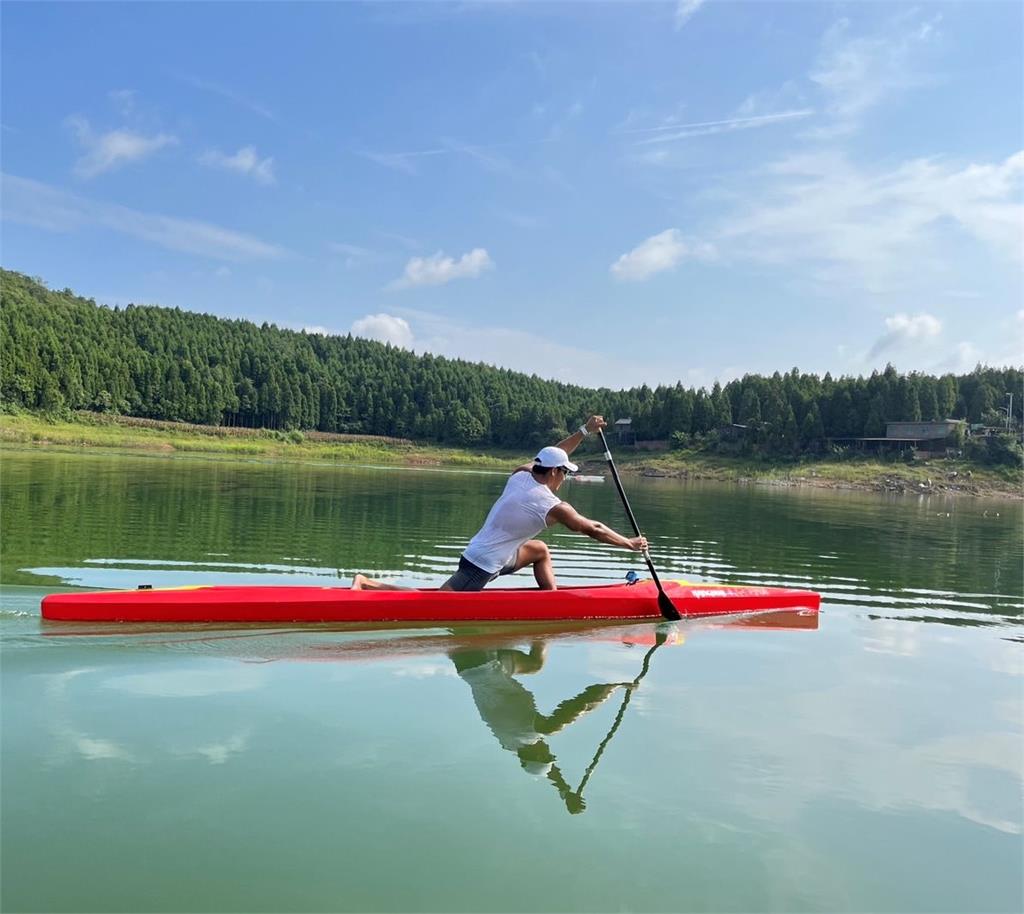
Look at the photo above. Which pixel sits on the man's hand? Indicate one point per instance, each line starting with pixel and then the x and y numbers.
pixel 594 423
pixel 638 544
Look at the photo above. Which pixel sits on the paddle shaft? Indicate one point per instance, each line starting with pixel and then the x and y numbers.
pixel 659 641
pixel 664 603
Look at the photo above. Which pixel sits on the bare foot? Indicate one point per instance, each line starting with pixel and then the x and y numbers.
pixel 362 582
pixel 359 582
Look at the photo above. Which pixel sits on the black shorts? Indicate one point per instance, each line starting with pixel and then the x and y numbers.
pixel 473 577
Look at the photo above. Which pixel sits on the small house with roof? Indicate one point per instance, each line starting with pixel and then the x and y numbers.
pixel 624 431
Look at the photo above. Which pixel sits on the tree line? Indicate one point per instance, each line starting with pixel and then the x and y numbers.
pixel 62 352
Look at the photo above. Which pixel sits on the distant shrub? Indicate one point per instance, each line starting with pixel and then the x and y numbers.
pixel 995 450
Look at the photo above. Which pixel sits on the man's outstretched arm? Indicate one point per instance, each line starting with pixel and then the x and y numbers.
pixel 568 516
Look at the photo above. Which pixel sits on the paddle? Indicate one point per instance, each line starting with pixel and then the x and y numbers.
pixel 574 799
pixel 666 606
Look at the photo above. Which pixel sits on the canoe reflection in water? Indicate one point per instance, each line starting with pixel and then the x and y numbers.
pixel 510 710
pixel 486 660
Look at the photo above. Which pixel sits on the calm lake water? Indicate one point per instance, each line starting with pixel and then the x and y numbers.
pixel 873 763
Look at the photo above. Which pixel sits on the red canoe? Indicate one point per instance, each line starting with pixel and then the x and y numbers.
pixel 336 604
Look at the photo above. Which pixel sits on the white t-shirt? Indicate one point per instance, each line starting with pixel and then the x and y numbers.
pixel 518 515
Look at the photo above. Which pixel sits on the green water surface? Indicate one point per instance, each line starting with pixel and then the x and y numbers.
pixel 869 762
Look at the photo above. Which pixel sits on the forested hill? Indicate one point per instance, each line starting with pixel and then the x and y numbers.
pixel 60 351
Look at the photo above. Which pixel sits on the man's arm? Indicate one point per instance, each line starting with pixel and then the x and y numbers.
pixel 573 441
pixel 566 515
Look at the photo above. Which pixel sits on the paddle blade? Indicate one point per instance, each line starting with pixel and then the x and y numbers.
pixel 667 607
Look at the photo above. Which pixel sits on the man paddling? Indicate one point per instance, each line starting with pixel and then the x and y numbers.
pixel 529 504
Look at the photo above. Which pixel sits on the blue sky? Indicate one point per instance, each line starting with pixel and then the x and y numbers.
pixel 606 193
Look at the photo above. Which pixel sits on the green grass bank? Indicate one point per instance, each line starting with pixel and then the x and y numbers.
pixel 125 434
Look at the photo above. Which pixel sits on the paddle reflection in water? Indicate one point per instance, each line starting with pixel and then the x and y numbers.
pixel 510 710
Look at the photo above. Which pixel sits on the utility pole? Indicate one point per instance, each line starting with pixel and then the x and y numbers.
pixel 1009 410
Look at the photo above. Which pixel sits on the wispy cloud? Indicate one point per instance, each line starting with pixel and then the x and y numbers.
pixel 124 100
pixel 404 240
pixel 521 350
pixel 519 219
pixel 482 153
pixel 386 328
pixel 672 132
pixel 855 73
pixel 230 94
pixel 656 254
pixel 400 161
pixel 684 12
pixel 965 356
pixel 875 226
pixel 244 162
pixel 851 75
pixel 353 254
pixel 114 149
pixel 30 202
pixel 350 250
pixel 901 329
pixel 439 269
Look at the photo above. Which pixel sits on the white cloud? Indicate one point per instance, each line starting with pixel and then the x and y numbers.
pixel 920 326
pixel 684 10
pixel 439 269
pixel 880 228
pixel 93 749
pixel 965 356
pixel 901 329
pixel 32 203
pixel 107 151
pixel 244 162
pixel 659 252
pixel 384 327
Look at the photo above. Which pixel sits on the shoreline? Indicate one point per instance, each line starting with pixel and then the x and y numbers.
pixel 127 436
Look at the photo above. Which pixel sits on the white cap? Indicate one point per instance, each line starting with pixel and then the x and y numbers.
pixel 554 457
